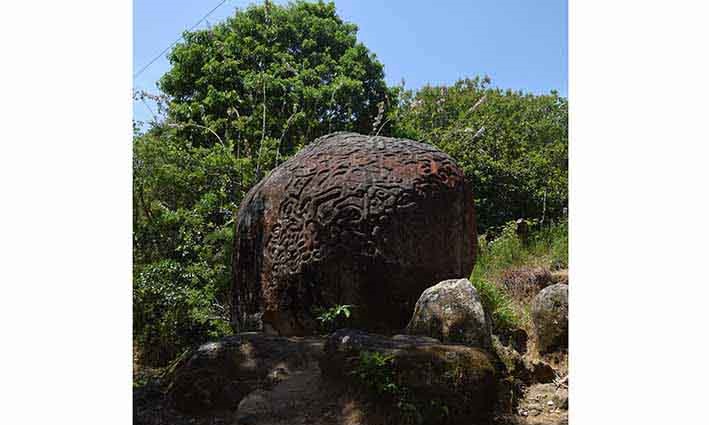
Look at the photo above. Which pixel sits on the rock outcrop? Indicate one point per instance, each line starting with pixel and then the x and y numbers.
pixel 217 375
pixel 351 219
pixel 523 283
pixel 452 312
pixel 550 313
pixel 458 380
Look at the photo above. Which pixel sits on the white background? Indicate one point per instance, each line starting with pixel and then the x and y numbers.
pixel 639 227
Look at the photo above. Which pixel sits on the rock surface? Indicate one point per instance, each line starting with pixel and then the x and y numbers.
pixel 351 219
pixel 452 312
pixel 461 378
pixel 217 375
pixel 550 313
pixel 523 283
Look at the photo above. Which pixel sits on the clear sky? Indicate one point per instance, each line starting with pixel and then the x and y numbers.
pixel 520 44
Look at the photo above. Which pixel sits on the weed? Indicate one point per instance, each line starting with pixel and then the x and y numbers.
pixel 375 372
pixel 330 318
pixel 498 304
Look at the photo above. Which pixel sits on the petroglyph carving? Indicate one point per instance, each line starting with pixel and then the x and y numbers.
pixel 389 212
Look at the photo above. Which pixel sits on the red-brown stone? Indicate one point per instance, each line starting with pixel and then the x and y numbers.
pixel 351 219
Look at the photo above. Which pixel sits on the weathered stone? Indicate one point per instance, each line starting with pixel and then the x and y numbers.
pixel 539 371
pixel 550 313
pixel 560 276
pixel 217 375
pixel 521 368
pixel 461 378
pixel 351 219
pixel 523 283
pixel 452 312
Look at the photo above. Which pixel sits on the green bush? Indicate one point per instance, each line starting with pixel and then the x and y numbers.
pixel 333 317
pixel 171 313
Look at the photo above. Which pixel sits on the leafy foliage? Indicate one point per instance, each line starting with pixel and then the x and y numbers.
pixel 170 312
pixel 184 200
pixel 274 78
pixel 330 318
pixel 513 146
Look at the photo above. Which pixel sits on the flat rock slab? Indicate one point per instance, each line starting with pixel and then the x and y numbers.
pixel 217 375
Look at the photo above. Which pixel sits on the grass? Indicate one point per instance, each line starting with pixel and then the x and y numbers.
pixel 546 247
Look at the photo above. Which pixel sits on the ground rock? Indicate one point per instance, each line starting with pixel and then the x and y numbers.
pixel 523 283
pixel 217 375
pixel 539 371
pixel 516 339
pixel 351 219
pixel 462 378
pixel 560 276
pixel 452 312
pixel 550 314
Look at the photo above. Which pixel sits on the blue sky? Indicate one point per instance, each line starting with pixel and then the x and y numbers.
pixel 520 44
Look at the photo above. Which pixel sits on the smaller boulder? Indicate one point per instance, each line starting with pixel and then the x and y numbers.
pixel 452 312
pixel 550 314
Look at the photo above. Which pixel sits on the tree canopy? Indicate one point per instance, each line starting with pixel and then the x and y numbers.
pixel 274 77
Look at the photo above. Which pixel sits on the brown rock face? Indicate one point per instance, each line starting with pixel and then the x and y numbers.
pixel 217 375
pixel 461 378
pixel 351 219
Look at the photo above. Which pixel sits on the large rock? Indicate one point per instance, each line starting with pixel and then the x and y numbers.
pixel 217 375
pixel 452 312
pixel 458 380
pixel 351 219
pixel 550 313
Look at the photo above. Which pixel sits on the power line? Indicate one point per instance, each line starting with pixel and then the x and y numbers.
pixel 180 38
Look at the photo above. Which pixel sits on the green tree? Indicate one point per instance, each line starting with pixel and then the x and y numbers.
pixel 184 201
pixel 274 78
pixel 513 146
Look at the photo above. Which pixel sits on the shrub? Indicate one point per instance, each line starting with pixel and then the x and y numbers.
pixel 170 314
pixel 331 318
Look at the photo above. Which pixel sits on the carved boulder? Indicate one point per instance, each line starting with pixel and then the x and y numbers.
pixel 351 219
